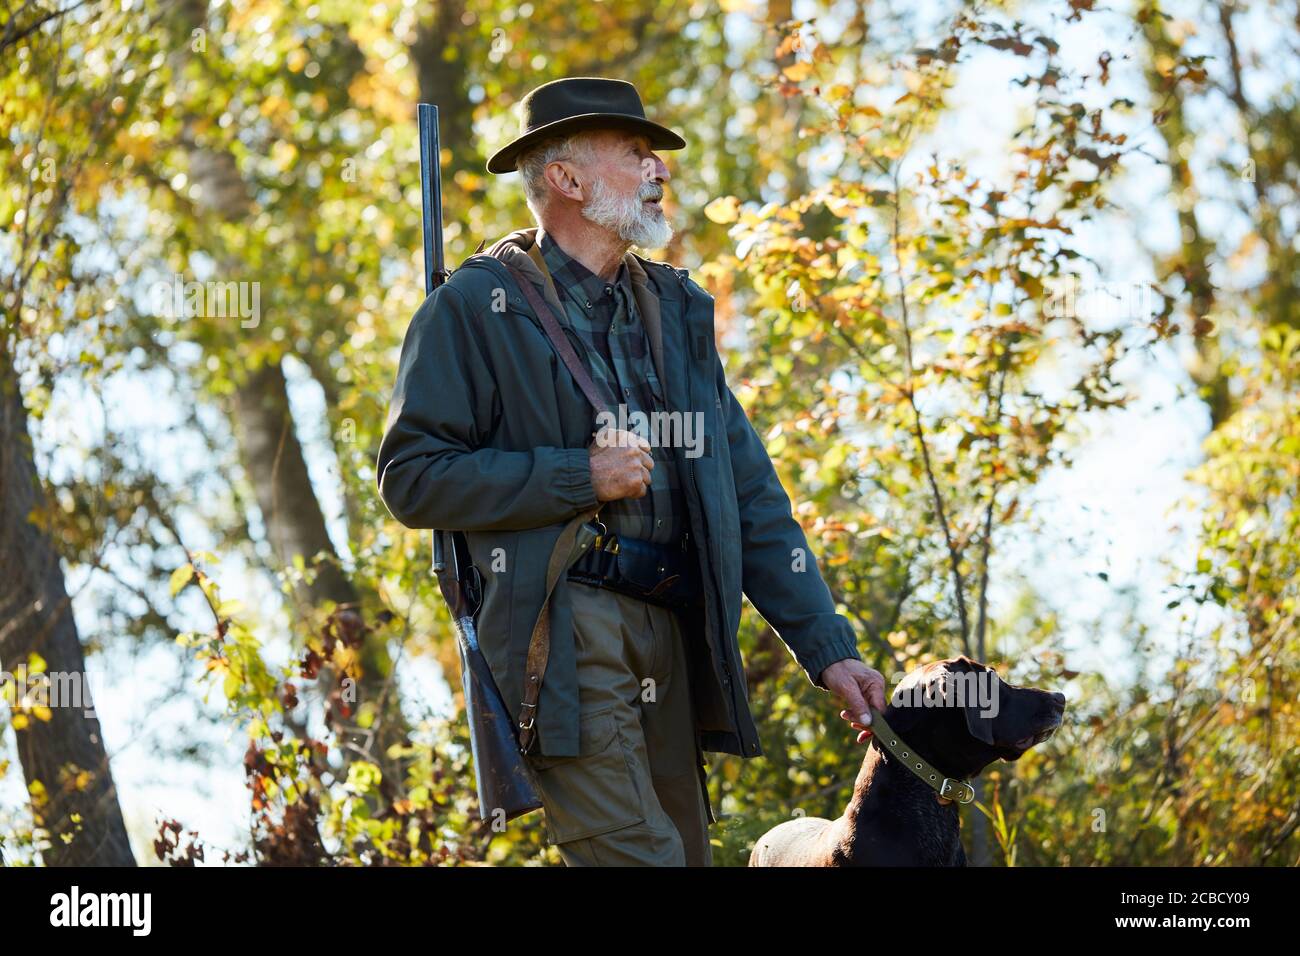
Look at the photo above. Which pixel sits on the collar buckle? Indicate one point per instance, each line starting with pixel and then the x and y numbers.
pixel 958 790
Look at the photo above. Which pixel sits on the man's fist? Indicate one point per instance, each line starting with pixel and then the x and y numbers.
pixel 860 687
pixel 620 464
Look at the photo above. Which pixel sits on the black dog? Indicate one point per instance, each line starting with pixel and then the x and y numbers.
pixel 897 816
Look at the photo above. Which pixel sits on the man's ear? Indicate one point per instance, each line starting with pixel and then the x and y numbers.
pixel 562 180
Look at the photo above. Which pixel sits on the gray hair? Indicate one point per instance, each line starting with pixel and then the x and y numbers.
pixel 578 147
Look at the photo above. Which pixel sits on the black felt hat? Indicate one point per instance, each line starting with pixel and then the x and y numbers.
pixel 575 103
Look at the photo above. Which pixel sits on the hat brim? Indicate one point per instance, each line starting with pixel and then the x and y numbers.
pixel 503 160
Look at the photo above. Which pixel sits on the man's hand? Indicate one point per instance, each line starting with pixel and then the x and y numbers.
pixel 620 464
pixel 859 687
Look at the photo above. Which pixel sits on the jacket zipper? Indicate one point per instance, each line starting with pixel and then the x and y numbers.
pixel 728 671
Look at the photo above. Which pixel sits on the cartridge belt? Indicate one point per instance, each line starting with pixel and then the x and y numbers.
pixel 664 574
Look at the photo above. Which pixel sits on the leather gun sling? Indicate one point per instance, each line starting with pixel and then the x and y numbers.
pixel 539 644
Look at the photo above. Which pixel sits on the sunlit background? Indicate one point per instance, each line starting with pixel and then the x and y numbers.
pixel 1142 456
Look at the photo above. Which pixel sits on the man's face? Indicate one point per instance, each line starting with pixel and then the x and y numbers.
pixel 626 189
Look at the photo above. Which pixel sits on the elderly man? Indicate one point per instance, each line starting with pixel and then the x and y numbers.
pixel 612 558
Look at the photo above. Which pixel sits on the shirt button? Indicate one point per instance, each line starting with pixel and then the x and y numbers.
pixel 609 290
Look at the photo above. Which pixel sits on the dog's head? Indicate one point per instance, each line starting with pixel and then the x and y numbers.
pixel 960 716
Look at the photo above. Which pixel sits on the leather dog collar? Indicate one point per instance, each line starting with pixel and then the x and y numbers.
pixel 946 787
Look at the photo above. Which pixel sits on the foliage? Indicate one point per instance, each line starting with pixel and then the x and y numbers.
pixel 891 321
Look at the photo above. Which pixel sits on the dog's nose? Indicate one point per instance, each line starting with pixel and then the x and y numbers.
pixel 1059 698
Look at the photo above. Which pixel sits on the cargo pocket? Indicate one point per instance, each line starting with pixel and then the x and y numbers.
pixel 591 793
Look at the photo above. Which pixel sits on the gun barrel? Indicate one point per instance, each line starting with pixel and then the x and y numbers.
pixel 431 196
pixel 431 209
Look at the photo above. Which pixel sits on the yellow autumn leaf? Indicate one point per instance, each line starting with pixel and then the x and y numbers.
pixel 181 577
pixel 284 154
pixel 798 71
pixel 723 210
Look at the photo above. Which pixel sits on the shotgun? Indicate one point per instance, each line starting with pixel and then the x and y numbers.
pixel 505 781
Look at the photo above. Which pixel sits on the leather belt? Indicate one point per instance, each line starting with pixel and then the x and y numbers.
pixel 664 574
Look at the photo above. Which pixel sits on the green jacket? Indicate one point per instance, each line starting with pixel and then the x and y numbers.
pixel 487 433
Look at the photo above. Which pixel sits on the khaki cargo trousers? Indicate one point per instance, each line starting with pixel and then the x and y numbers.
pixel 635 795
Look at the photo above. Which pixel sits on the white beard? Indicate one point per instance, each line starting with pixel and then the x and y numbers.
pixel 627 216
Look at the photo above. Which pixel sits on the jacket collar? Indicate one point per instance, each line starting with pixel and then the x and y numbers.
pixel 521 250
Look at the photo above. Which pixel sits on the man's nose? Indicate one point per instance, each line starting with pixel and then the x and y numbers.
pixel 661 173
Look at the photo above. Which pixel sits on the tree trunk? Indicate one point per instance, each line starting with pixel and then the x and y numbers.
pixel 441 72
pixel 273 456
pixel 1192 262
pixel 36 617
pixel 295 525
pixel 273 459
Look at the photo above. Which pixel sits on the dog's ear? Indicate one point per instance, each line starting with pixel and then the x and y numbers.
pixel 979 725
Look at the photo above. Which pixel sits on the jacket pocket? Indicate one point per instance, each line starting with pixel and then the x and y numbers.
pixel 594 792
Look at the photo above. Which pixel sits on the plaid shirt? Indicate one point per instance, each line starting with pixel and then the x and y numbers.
pixel 606 320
